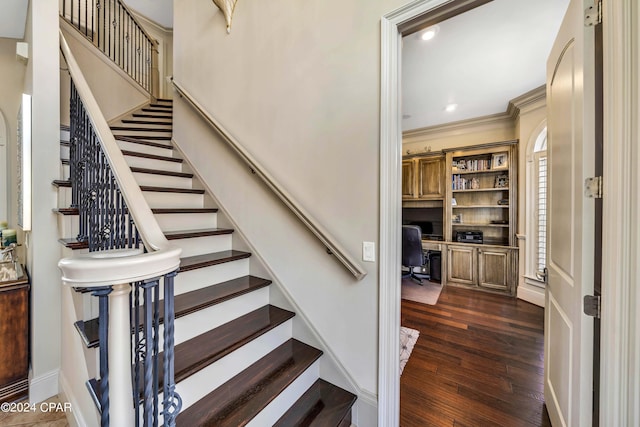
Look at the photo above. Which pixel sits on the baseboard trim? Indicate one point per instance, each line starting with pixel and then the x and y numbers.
pixel 531 294
pixel 74 417
pixel 43 387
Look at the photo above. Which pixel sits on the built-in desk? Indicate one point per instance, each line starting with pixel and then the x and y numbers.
pixel 14 336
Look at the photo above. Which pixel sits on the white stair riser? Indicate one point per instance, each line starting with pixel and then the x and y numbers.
pixel 162 180
pixel 187 281
pixel 157 199
pixel 204 245
pixel 147 149
pixel 64 151
pixel 204 320
pixel 278 406
pixel 188 221
pixel 64 172
pixel 67 226
pixel 213 376
pixel 64 197
pixel 142 162
pixel 64 135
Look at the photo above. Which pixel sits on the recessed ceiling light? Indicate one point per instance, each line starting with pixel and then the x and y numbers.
pixel 430 33
pixel 451 108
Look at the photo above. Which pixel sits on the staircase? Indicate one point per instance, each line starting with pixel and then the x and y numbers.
pixel 236 360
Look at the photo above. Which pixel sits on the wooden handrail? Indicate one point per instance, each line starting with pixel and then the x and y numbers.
pixel 333 247
pixel 150 231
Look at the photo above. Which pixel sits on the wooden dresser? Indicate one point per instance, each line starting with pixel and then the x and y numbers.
pixel 14 339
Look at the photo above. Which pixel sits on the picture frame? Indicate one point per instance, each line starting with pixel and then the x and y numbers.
pixel 500 161
pixel 456 218
pixel 502 181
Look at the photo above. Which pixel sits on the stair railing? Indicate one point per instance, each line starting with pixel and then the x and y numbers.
pixel 115 220
pixel 111 27
pixel 333 247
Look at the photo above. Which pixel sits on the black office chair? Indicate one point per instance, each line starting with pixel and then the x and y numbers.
pixel 412 255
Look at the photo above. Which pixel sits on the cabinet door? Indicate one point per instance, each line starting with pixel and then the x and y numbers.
pixel 494 267
pixel 408 179
pixel 461 265
pixel 14 336
pixel 431 178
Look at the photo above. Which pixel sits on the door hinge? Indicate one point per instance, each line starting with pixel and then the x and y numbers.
pixel 593 187
pixel 593 15
pixel 591 306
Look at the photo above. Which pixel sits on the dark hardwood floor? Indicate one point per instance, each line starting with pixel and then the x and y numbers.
pixel 478 362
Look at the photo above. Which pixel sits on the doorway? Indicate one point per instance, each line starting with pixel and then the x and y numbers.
pixel 394 25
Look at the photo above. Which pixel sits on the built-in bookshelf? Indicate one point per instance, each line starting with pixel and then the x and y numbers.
pixel 482 192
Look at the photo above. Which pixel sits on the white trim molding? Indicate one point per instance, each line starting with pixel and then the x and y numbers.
pixel 620 348
pixel 390 208
pixel 43 387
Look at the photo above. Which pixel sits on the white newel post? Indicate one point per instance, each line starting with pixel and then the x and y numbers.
pixel 120 389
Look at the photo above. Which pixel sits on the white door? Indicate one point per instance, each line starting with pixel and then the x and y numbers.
pixel 568 332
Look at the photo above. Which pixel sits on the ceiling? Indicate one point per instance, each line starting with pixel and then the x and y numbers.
pixel 159 11
pixel 478 60
pixel 13 18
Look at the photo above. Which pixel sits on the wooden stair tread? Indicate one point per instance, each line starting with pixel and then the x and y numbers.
pixel 203 232
pixel 141 129
pixel 207 260
pixel 62 183
pixel 64 161
pixel 66 211
pixel 73 243
pixel 74 211
pixel 150 156
pixel 155 110
pixel 162 172
pixel 157 105
pixel 323 405
pixel 143 142
pixel 149 137
pixel 187 303
pixel 151 115
pixel 146 122
pixel 241 398
pixel 183 210
pixel 199 352
pixel 155 189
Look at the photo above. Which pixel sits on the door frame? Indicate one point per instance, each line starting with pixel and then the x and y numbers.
pixel 620 361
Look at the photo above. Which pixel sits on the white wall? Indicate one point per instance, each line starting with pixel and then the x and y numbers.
pixel 298 85
pixel 43 250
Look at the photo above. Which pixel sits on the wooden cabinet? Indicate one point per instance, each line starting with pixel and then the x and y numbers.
pixel 423 178
pixel 484 267
pixel 408 179
pixel 14 336
pixel 430 176
pixel 462 265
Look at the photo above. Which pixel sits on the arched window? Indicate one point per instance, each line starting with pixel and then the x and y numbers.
pixel 540 208
pixel 536 207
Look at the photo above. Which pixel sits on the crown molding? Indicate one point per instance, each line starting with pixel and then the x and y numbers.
pixel 515 106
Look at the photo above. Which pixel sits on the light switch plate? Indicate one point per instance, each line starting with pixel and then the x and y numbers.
pixel 369 251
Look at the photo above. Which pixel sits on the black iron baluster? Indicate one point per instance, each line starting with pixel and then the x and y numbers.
pixel 148 356
pixel 138 351
pixel 172 403
pixel 156 348
pixel 103 333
